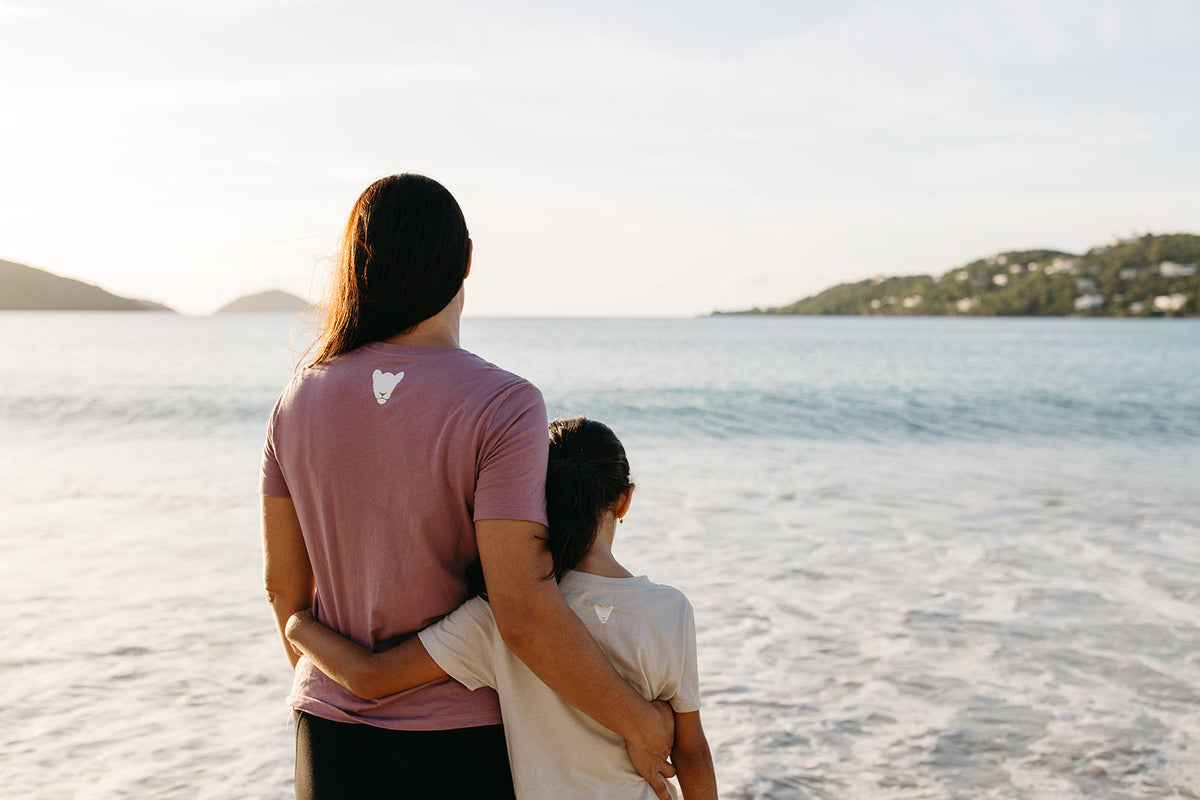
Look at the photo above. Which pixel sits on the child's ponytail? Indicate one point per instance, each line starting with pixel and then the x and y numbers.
pixel 586 475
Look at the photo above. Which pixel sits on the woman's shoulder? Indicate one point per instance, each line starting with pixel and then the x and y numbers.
pixel 497 375
pixel 505 394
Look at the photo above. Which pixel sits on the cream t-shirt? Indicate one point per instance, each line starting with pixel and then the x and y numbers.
pixel 648 633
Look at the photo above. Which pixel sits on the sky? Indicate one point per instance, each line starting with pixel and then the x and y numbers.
pixel 612 159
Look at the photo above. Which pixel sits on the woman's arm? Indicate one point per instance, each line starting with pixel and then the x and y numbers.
pixel 538 626
pixel 693 760
pixel 368 675
pixel 287 573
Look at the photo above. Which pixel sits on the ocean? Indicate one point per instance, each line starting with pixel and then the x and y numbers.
pixel 929 557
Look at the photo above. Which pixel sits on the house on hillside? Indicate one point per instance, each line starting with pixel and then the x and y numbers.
pixel 1060 265
pixel 1169 269
pixel 1170 302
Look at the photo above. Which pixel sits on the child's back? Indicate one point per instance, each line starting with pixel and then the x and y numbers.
pixel 648 633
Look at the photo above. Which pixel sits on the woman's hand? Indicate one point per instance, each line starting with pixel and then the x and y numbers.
pixel 651 751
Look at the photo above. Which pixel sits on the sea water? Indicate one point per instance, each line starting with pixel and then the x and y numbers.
pixel 930 558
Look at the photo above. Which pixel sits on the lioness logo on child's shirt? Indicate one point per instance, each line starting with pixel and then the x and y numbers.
pixel 384 383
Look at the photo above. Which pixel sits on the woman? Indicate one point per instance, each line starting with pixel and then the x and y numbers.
pixel 393 462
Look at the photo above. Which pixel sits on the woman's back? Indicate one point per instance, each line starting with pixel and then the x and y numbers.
pixel 390 453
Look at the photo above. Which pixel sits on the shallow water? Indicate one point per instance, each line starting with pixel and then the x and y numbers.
pixel 929 558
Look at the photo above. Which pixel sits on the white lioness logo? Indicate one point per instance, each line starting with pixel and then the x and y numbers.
pixel 384 383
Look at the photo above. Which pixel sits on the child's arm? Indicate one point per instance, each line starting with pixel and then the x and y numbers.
pixel 366 674
pixel 692 759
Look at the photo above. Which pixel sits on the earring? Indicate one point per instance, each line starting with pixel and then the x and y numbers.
pixel 621 520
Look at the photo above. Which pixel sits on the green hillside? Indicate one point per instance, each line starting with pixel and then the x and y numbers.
pixel 25 288
pixel 1146 276
pixel 270 301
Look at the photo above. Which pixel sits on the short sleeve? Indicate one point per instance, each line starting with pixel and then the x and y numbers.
pixel 687 696
pixel 464 642
pixel 271 481
pixel 511 483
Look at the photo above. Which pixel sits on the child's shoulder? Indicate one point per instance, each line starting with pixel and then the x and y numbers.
pixel 664 589
pixel 665 593
pixel 639 591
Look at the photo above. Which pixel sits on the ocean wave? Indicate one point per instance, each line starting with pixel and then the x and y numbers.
pixel 857 416
pixel 838 414
pixel 704 380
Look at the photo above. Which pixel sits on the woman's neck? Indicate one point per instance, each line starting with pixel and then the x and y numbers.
pixel 440 330
pixel 426 337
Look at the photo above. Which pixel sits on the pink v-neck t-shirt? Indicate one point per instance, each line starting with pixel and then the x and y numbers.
pixel 390 453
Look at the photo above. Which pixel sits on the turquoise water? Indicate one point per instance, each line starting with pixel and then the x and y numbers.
pixel 867 379
pixel 828 379
pixel 930 558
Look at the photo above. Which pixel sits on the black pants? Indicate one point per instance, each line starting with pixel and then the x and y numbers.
pixel 342 761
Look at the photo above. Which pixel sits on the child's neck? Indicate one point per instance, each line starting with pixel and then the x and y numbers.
pixel 599 559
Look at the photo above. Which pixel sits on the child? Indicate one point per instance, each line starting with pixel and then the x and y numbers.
pixel 646 630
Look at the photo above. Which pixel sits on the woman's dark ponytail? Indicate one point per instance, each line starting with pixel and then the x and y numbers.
pixel 404 254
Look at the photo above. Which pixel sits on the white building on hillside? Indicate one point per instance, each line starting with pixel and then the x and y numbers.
pixel 1170 302
pixel 1060 264
pixel 1169 269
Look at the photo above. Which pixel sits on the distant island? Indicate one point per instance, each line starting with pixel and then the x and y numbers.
pixel 270 301
pixel 24 288
pixel 1138 277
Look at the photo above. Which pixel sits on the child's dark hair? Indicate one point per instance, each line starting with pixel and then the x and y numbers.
pixel 585 476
